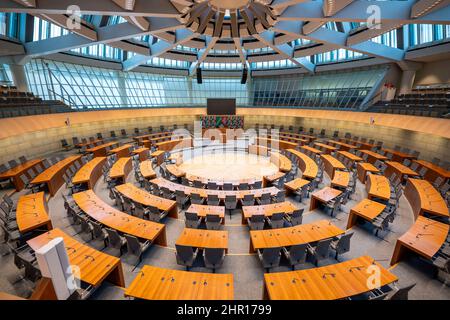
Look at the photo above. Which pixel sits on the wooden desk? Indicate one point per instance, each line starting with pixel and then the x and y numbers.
pixel 275 144
pixel 15 173
pixel 122 151
pixel 281 161
pixel 295 184
pixel 53 176
pixel 433 172
pixel 147 199
pixel 267 180
pixel 174 144
pixel 100 151
pixel 174 170
pixel 267 210
pixel 32 213
pixel 82 144
pixel 363 168
pixel 258 150
pixel 9 297
pixel 424 198
pixel 95 266
pixel 159 155
pixel 331 164
pixel 296 140
pixel 366 209
pixel 201 238
pixel 425 238
pixel 324 195
pixel 373 156
pixel 313 150
pixel 399 156
pixel 352 157
pixel 121 169
pixel 153 283
pixel 300 234
pixel 307 165
pixel 363 145
pixel 327 149
pixel 203 210
pixel 205 192
pixel 90 172
pixel 147 169
pixel 100 211
pixel 142 153
pixel 332 282
pixel 343 146
pixel 378 187
pixel 401 170
pixel 341 179
pixel 152 135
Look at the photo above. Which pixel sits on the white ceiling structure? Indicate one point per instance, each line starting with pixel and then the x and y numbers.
pixel 236 25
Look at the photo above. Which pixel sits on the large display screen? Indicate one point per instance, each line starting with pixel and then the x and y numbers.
pixel 219 107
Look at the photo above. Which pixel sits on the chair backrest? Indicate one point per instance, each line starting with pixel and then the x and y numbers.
pixel 3 168
pixel 185 253
pixel 191 216
pixel 277 216
pixel 265 198
pixel 212 185
pixel 98 230
pixel 281 196
pixel 22 159
pixel 214 256
pixel 249 197
pixel 298 252
pixel 24 179
pixel 230 198
pixel 257 218
pixel 12 163
pixel 212 218
pixel 198 184
pixel 243 186
pixel 133 244
pixel 271 255
pixel 114 238
pixel 213 197
pixel 323 247
pixel 228 186
pixel 297 216
pixel 343 244
pixel 402 293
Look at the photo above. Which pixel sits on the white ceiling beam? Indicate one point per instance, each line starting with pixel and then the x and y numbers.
pixel 145 8
pixel 202 54
pixel 62 20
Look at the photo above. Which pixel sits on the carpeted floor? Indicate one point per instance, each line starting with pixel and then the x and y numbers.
pixel 246 268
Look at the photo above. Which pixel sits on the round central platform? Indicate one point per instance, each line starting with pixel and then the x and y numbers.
pixel 229 166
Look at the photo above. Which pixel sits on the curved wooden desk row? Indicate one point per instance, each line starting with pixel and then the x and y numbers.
pixel 95 266
pixel 363 168
pixel 191 178
pixel 122 151
pixel 201 239
pixel 152 135
pixel 372 156
pixel 378 187
pixel 307 165
pixel 433 172
pixel 424 198
pixel 325 148
pixel 153 283
pixel 174 144
pixel 102 150
pixel 336 281
pixel 160 182
pixel 32 213
pixel 425 238
pixel 331 164
pixel 366 209
pixel 142 152
pixel 312 150
pixel 402 171
pixel 267 210
pixel 341 145
pixel 175 171
pixel 53 176
pixel 357 144
pixel 203 210
pixel 275 144
pixel 90 172
pixel 83 144
pixel 146 169
pixel 341 180
pixel 15 173
pixel 100 211
pixel 147 199
pixel 307 137
pixel 350 156
pixel 300 234
pixel 398 155
pixel 282 137
pixel 281 161
pixel 121 169
pixel 258 150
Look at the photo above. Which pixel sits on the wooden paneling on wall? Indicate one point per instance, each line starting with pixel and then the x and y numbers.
pixel 37 135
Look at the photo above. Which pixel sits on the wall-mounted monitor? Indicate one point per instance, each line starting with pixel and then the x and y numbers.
pixel 221 107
